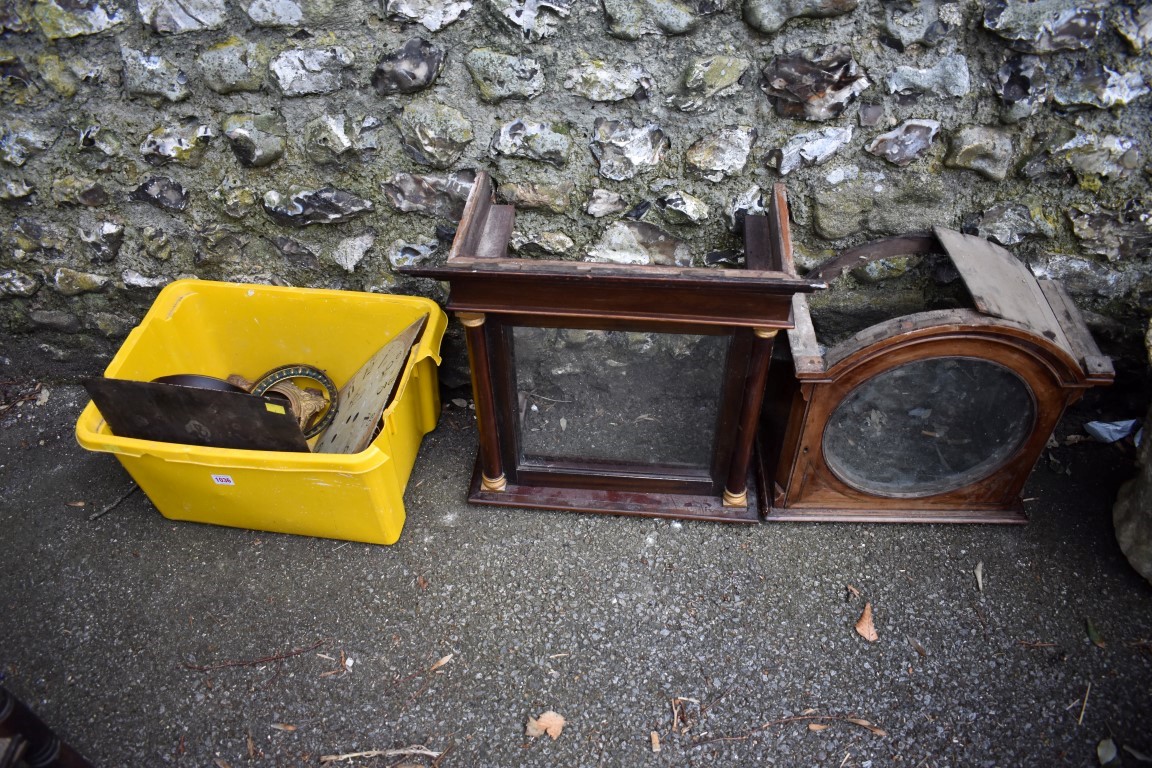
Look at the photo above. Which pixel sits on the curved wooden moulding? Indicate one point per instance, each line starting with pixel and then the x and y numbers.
pixel 902 339
pixel 1021 328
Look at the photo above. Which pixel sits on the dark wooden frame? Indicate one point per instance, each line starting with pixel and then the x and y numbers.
pixel 491 294
pixel 29 740
pixel 1026 325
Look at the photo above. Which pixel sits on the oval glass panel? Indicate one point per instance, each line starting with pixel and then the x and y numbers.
pixel 928 426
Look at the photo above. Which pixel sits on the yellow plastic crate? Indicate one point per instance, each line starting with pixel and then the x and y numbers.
pixel 217 329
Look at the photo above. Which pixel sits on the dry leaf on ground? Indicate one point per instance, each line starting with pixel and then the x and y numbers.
pixel 870 726
pixel 655 737
pixel 444 660
pixel 864 625
pixel 1094 634
pixel 1106 753
pixel 818 726
pixel 551 723
pixel 283 727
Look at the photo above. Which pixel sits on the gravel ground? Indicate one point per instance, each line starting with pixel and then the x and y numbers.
pixel 728 642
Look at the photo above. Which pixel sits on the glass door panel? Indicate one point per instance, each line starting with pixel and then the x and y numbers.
pixel 614 396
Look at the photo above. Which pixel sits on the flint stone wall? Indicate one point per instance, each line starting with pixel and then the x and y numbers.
pixel 323 143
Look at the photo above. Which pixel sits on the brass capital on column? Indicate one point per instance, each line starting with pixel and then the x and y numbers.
pixel 736 499
pixel 496 486
pixel 471 319
pixel 766 333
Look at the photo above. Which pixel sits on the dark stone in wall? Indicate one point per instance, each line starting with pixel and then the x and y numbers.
pixel 161 192
pixel 814 84
pixel 303 207
pixel 442 196
pixel 256 140
pixel 410 69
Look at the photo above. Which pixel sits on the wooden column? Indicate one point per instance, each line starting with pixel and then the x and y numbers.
pixel 491 466
pixel 736 488
pixel 42 747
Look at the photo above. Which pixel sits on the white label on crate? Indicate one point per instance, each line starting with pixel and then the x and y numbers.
pixel 223 480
